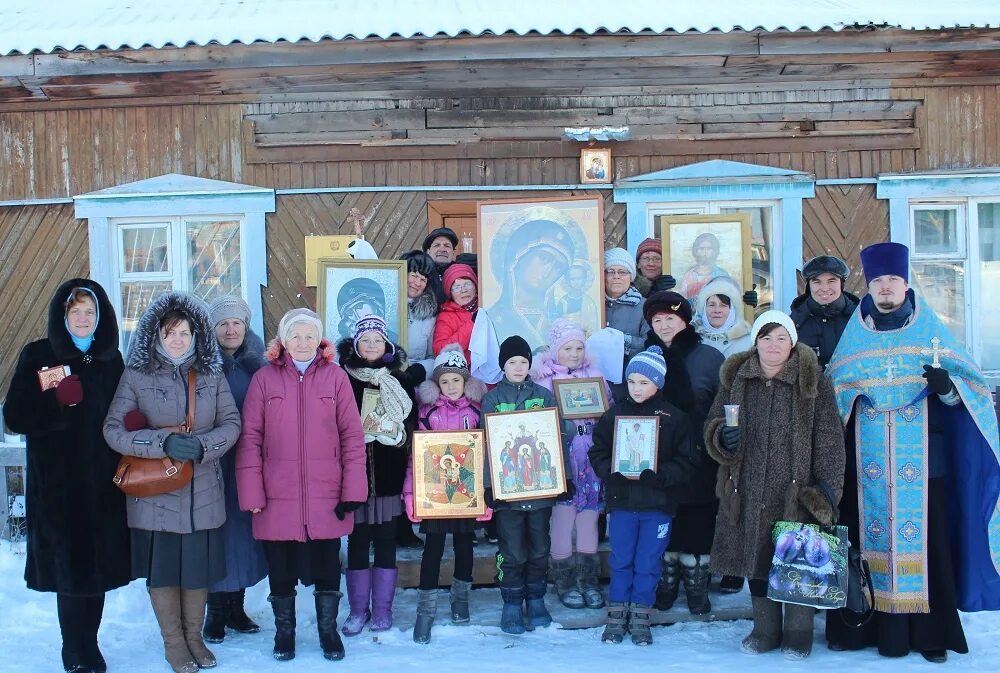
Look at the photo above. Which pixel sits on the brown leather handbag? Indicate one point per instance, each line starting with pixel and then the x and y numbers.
pixel 145 477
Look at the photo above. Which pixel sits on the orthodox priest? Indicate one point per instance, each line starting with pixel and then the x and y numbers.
pixel 923 477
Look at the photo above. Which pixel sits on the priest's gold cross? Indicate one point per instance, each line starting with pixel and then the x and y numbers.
pixel 936 351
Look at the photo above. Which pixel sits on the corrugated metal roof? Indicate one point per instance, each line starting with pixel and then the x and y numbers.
pixel 49 25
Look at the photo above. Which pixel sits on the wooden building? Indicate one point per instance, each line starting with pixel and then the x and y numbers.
pixel 153 148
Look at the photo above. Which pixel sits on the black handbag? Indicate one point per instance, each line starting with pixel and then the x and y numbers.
pixel 860 592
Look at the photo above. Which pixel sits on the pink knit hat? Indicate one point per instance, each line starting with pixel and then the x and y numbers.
pixel 562 332
pixel 456 271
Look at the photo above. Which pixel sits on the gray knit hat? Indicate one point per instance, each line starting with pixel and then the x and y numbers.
pixel 296 316
pixel 229 306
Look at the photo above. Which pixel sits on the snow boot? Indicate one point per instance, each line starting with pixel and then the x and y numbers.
pixel 167 608
pixel 193 617
pixel 696 577
pixel 216 615
pixel 512 617
pixel 670 582
pixel 797 639
pixel 617 626
pixel 89 648
pixel 588 570
pixel 639 617
pixel 327 607
pixel 426 611
pixel 383 591
pixel 284 626
pixel 359 593
pixel 538 616
pixel 766 634
pixel 730 584
pixel 238 619
pixel 459 599
pixel 564 573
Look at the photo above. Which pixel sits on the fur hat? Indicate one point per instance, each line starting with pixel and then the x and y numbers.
pixel 649 363
pixel 649 245
pixel 777 317
pixel 451 359
pixel 667 301
pixel 884 259
pixel 619 257
pixel 229 306
pixel 296 316
pixel 562 332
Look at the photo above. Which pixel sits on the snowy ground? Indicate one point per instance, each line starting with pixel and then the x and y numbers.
pixel 29 640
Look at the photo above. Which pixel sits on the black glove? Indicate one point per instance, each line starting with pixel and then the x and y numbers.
pixel 183 447
pixel 649 479
pixel 665 282
pixel 730 436
pixel 417 373
pixel 938 380
pixel 342 509
pixel 617 479
pixel 750 297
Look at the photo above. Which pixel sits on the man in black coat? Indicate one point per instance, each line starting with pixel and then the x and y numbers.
pixel 78 538
pixel 822 312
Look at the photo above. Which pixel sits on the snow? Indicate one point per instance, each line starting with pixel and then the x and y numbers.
pixel 30 642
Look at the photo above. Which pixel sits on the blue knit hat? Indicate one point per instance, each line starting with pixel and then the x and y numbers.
pixel 649 363
pixel 885 259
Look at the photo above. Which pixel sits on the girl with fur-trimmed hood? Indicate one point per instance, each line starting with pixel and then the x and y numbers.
pixel 177 544
pixel 449 400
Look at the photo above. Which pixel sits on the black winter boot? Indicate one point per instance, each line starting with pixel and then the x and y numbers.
pixel 797 639
pixel 284 626
pixel 327 606
pixel 512 616
pixel 238 620
pixel 216 615
pixel 426 611
pixel 617 625
pixel 670 583
pixel 696 578
pixel 588 572
pixel 536 614
pixel 459 599
pixel 639 617
pixel 564 573
pixel 766 634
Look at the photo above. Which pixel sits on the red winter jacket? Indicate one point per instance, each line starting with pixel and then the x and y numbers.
pixel 453 326
pixel 302 449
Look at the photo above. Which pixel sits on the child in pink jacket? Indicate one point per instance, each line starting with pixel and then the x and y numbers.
pixel 449 401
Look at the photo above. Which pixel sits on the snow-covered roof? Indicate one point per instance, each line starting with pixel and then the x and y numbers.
pixel 46 26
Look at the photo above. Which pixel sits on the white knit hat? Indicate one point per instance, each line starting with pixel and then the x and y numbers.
pixel 295 316
pixel 450 359
pixel 773 316
pixel 619 257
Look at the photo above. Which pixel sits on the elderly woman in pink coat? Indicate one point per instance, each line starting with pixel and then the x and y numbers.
pixel 300 469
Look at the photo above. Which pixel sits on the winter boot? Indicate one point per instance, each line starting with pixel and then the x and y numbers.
pixel 405 537
pixel 216 615
pixel 88 641
pixel 538 616
pixel 459 599
pixel 670 582
pixel 797 639
pixel 426 611
pixel 239 620
pixel 564 573
pixel 696 577
pixel 359 593
pixel 327 606
pixel 193 617
pixel 638 624
pixel 512 617
pixel 284 626
pixel 617 626
pixel 588 570
pixel 383 591
pixel 730 584
pixel 766 634
pixel 167 608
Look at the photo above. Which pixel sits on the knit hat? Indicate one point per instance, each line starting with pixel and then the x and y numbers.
pixel 562 332
pixel 456 271
pixel 773 316
pixel 649 245
pixel 513 346
pixel 884 259
pixel 447 232
pixel 649 363
pixel 619 257
pixel 296 316
pixel 667 301
pixel 229 306
pixel 451 359
pixel 371 323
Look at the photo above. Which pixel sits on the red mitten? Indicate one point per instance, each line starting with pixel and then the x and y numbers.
pixel 69 391
pixel 134 420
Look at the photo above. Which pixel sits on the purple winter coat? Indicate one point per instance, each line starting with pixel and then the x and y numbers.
pixel 302 450
pixel 589 488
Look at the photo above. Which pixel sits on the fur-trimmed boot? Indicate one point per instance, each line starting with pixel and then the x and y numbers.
pixel 193 617
pixel 383 592
pixel 284 626
pixel 696 576
pixel 670 582
pixel 327 607
pixel 512 616
pixel 797 639
pixel 426 611
pixel 537 616
pixel 359 596
pixel 588 570
pixel 564 574
pixel 216 615
pixel 238 619
pixel 639 617
pixel 459 599
pixel 617 626
pixel 766 633
pixel 167 608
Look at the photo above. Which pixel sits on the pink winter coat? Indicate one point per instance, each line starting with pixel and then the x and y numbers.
pixel 302 450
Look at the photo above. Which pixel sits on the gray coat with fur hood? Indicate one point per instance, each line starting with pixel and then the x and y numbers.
pixel 158 390
pixel 791 438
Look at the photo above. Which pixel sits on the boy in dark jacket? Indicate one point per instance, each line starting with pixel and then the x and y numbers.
pixel 522 526
pixel 640 510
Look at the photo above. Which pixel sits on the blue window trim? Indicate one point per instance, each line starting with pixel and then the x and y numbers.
pixel 901 189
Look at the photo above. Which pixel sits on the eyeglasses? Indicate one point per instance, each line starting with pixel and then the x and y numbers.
pixel 372 343
pixel 462 286
pixel 617 273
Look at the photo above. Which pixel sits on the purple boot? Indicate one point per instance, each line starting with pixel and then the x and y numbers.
pixel 359 591
pixel 383 591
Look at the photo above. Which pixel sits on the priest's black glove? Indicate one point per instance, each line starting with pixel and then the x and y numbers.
pixel 730 437
pixel 938 380
pixel 183 447
pixel 342 509
pixel 750 297
pixel 665 282
pixel 649 479
pixel 617 479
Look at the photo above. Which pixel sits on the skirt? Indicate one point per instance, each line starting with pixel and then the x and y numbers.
pixel 694 528
pixel 379 509
pixel 308 562
pixel 188 560
pixel 449 526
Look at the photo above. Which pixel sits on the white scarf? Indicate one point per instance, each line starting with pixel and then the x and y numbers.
pixel 395 400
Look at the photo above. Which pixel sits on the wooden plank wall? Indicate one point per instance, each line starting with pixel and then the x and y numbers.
pixel 41 246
